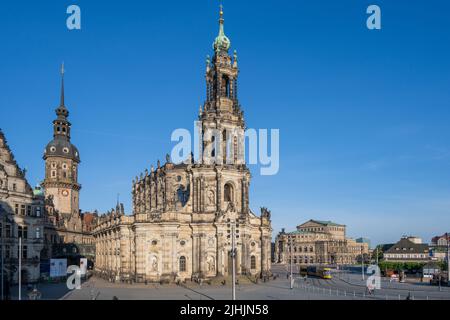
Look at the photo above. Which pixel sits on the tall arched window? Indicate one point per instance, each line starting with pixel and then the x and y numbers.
pixel 224 146
pixel 253 263
pixel 228 193
pixel 225 86
pixel 213 142
pixel 182 264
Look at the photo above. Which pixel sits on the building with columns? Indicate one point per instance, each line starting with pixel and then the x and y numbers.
pixel 184 213
pixel 318 242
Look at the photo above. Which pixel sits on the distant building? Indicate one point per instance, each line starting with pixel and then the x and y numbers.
pixel 408 249
pixel 438 247
pixel 318 242
pixel 441 241
pixel 414 239
pixel 363 240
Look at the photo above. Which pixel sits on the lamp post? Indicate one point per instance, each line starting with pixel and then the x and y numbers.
pixel 362 263
pixel 377 255
pixel 291 264
pixel 3 250
pixel 20 267
pixel 448 260
pixel 233 257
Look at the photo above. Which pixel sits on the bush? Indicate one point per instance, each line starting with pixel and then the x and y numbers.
pixel 401 266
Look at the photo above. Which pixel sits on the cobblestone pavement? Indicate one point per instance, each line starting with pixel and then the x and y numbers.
pixel 343 286
pixel 309 289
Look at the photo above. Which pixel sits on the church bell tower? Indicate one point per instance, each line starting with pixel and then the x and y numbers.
pixel 221 111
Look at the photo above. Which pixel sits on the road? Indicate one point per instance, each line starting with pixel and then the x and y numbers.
pixel 347 283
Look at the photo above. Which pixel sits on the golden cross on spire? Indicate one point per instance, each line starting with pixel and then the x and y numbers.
pixel 62 69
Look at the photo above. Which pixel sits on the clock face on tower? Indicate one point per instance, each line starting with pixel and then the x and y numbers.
pixel 65 193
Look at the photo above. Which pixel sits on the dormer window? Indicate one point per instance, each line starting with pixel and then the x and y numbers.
pixel 66 150
pixel 52 148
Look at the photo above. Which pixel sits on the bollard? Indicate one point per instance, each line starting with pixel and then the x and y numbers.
pixel 337 292
pixel 386 297
pixel 354 293
pixel 330 292
pixel 399 298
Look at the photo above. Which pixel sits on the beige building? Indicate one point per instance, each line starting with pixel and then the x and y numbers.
pixel 408 249
pixel 21 211
pixel 318 242
pixel 184 213
pixel 67 232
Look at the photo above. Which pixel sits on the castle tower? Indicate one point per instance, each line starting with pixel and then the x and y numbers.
pixel 61 167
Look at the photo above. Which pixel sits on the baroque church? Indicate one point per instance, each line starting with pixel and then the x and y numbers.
pixel 187 215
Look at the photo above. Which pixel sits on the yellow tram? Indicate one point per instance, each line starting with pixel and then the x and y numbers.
pixel 316 271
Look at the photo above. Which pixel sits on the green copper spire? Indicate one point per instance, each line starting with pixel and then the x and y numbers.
pixel 221 43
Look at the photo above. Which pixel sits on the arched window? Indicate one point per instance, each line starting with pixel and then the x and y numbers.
pixel 225 86
pixel 253 263
pixel 182 264
pixel 224 146
pixel 228 193
pixel 213 143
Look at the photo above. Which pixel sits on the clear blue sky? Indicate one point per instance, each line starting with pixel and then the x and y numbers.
pixel 363 115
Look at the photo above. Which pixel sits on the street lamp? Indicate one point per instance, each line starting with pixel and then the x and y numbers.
pixel 20 267
pixel 233 257
pixel 377 255
pixel 362 263
pixel 448 260
pixel 3 249
pixel 291 264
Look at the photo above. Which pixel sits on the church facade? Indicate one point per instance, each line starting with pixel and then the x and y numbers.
pixel 187 215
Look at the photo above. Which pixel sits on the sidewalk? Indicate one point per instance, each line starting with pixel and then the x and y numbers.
pixel 49 291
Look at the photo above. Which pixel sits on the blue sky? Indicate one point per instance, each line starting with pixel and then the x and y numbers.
pixel 363 115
